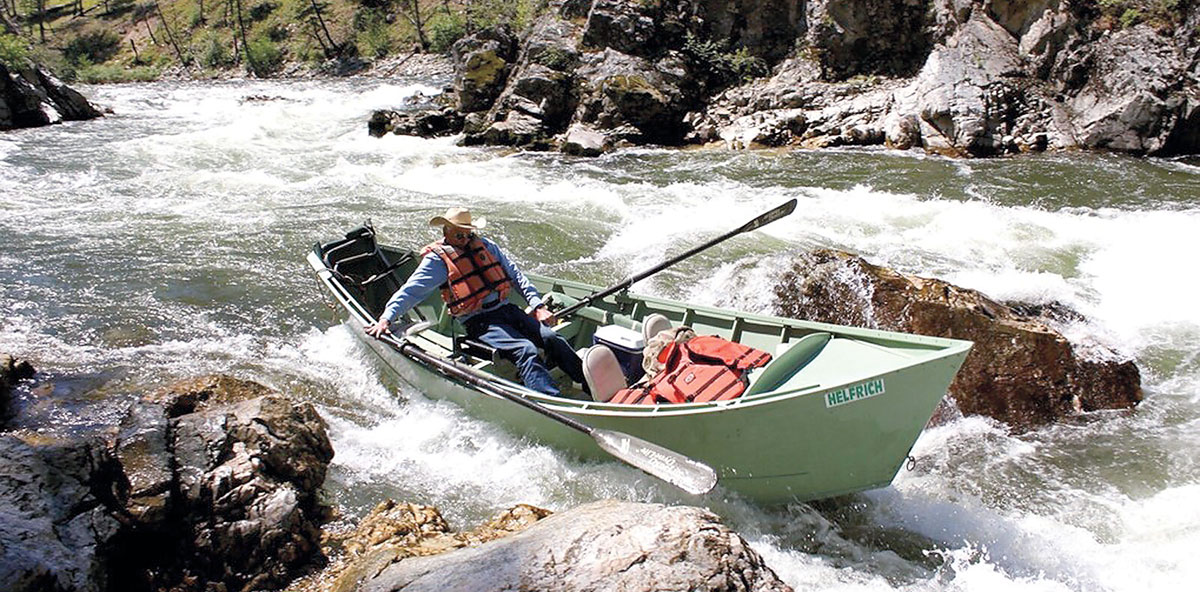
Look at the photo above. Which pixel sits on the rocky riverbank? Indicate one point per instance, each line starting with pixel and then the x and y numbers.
pixel 969 78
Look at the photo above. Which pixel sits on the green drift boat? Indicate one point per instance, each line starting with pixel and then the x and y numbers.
pixel 837 410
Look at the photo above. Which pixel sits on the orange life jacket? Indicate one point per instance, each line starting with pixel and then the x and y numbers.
pixel 705 368
pixel 473 274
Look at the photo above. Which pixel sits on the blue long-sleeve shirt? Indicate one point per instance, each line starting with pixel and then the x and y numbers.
pixel 431 273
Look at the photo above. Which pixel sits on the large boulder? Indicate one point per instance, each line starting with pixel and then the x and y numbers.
pixel 1139 96
pixel 57 528
pixel 636 99
pixel 606 545
pixel 32 97
pixel 1020 370
pixel 246 480
pixel 482 63
pixel 207 484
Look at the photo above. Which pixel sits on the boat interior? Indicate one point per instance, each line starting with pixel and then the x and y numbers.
pixel 807 356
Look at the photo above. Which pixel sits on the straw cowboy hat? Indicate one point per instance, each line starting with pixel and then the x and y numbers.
pixel 459 218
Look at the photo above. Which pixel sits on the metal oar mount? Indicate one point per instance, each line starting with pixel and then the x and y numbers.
pixel 624 284
pixel 685 473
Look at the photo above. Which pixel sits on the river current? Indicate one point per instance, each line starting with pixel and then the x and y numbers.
pixel 168 240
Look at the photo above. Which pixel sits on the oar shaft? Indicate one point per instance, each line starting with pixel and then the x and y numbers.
pixel 624 284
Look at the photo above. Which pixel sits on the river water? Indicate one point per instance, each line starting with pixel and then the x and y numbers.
pixel 168 240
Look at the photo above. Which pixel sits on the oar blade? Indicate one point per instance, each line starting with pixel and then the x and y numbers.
pixel 685 473
pixel 769 217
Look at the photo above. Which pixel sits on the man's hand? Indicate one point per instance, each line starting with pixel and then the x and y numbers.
pixel 379 328
pixel 544 316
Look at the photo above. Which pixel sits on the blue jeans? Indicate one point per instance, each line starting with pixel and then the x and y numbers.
pixel 517 336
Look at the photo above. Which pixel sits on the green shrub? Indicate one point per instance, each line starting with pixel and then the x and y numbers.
pixel 99 73
pixel 724 66
pixel 1130 17
pixel 95 45
pixel 444 30
pixel 13 52
pixel 265 56
pixel 213 50
pixel 375 39
pixel 262 10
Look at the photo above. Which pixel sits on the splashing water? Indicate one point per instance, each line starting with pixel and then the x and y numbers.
pixel 168 239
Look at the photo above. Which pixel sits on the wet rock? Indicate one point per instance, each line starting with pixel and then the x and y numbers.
pixel 188 395
pixel 394 531
pixel 426 123
pixel 32 97
pixel 247 479
pixel 12 371
pixel 626 546
pixel 1019 371
pixel 56 527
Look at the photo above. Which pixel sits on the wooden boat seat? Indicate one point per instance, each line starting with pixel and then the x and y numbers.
pixel 603 372
pixel 787 364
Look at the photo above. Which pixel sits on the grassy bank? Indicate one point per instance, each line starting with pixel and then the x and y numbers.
pixel 137 40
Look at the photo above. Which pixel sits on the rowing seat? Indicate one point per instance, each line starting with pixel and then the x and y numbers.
pixel 602 372
pixel 654 324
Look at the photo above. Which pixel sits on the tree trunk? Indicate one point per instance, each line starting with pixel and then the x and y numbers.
pixel 245 45
pixel 170 37
pixel 332 43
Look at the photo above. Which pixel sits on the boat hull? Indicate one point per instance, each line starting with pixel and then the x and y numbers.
pixel 843 422
pixel 777 450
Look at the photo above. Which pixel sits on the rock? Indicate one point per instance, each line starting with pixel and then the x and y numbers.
pixel 768 27
pixel 481 63
pixel 56 530
pixel 602 545
pixel 1020 371
pixel 247 479
pixel 12 371
pixel 622 26
pixel 1135 99
pixel 537 102
pixel 32 97
pixel 963 95
pixel 582 140
pixel 852 37
pixel 426 123
pixel 144 450
pixel 636 99
pixel 188 395
pixel 395 531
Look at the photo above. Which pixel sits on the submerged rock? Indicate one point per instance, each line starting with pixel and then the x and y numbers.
pixel 1019 371
pixel 605 545
pixel 32 97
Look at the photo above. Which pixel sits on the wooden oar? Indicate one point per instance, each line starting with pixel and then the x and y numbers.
pixel 685 473
pixel 624 284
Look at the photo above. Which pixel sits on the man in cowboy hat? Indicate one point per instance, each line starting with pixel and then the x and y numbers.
pixel 475 277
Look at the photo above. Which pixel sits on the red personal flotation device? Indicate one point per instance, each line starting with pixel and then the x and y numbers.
pixel 473 274
pixel 705 368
